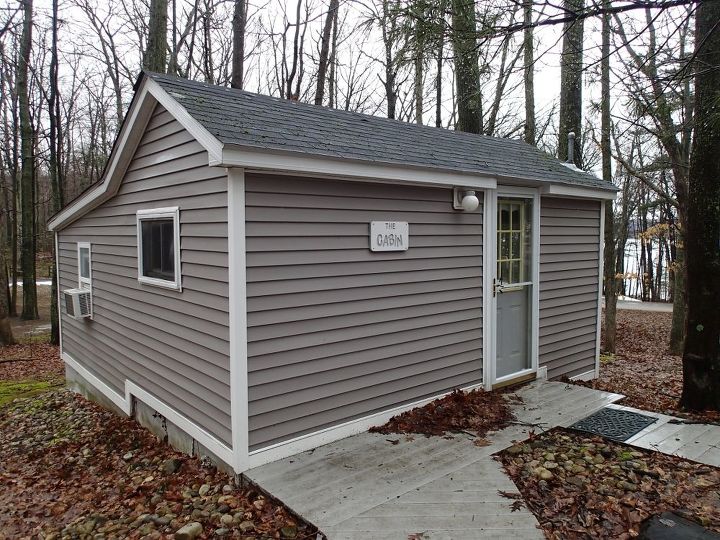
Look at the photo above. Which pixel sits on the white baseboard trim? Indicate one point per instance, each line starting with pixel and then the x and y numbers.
pixel 542 373
pixel 124 403
pixel 318 438
pixel 586 376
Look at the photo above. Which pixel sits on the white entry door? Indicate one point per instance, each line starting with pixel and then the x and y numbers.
pixel 514 287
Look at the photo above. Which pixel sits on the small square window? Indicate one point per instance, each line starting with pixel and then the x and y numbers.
pixel 159 247
pixel 84 271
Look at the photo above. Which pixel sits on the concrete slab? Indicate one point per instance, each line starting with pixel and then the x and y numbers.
pixel 367 487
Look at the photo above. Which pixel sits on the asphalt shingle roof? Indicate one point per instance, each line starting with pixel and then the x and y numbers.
pixel 237 117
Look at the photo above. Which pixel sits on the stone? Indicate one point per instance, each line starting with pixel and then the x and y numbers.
pixel 543 473
pixel 246 526
pixel 578 469
pixel 189 532
pixel 227 489
pixel 128 456
pixel 222 531
pixel 576 480
pixel 289 531
pixel 171 466
pixel 514 450
pixel 549 465
pixel 226 519
pixel 204 489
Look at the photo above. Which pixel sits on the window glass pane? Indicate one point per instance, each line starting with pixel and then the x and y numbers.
pixel 158 248
pixel 85 263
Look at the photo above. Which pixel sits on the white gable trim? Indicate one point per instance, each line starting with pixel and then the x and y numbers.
pixel 147 96
pixel 202 135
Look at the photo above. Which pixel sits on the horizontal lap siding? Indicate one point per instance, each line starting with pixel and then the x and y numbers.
pixel 173 344
pixel 569 266
pixel 336 332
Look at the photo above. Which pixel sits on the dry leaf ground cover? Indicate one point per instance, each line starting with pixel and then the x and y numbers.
pixel 476 412
pixel 642 370
pixel 584 486
pixel 70 469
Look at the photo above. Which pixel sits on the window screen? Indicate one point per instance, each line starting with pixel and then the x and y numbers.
pixel 158 249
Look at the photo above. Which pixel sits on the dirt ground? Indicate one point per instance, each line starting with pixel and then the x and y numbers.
pixel 34 330
pixel 642 369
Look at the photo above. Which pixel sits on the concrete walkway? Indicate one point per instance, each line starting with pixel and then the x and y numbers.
pixel 670 435
pixel 374 486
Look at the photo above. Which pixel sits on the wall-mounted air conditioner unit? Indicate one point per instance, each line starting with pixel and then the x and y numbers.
pixel 78 303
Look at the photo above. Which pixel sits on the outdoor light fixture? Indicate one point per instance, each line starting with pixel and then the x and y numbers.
pixel 465 200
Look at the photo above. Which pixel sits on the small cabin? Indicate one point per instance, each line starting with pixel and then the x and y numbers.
pixel 254 277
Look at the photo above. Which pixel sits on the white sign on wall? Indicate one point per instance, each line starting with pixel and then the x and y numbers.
pixel 389 236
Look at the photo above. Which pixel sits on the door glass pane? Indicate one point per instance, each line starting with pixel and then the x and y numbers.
pixel 504 217
pixel 514 238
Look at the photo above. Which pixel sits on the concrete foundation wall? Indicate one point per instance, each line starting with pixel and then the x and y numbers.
pixel 148 418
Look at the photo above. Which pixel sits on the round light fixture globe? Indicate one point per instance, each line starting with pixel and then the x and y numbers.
pixel 470 201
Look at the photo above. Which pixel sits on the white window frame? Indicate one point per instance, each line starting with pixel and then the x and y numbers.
pixel 84 282
pixel 149 215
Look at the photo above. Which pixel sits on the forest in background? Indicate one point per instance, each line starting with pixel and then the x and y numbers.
pixel 626 88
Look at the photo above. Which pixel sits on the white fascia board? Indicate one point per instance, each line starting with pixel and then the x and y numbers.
pixel 325 166
pixel 131 133
pixel 578 192
pixel 147 96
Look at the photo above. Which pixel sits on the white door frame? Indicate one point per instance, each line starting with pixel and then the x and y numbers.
pixel 490 273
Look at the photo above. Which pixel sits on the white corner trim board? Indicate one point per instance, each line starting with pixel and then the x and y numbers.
pixel 312 440
pixel 237 293
pixel 124 403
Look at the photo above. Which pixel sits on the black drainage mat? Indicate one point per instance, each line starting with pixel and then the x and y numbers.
pixel 614 424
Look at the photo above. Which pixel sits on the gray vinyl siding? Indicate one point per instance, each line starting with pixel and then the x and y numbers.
pixel 337 332
pixel 173 344
pixel 569 266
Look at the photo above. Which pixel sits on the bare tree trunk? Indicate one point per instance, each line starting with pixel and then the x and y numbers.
pixel 56 183
pixel 610 279
pixel 701 358
pixel 418 85
pixel 571 84
pixel 6 335
pixel 156 53
pixel 439 69
pixel 27 180
pixel 238 58
pixel 332 85
pixel 529 72
pixel 467 69
pixel 325 51
pixel 388 33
